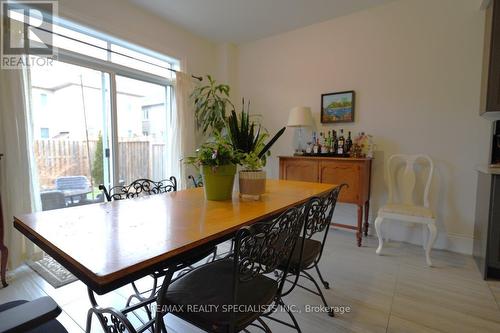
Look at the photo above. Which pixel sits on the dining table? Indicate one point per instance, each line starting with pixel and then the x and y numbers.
pixel 108 245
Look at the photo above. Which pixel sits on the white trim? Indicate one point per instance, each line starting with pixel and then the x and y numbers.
pixel 114 155
pixel 105 66
pixel 400 232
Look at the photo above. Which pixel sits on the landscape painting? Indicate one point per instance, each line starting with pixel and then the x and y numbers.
pixel 337 107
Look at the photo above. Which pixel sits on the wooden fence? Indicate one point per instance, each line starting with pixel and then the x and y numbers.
pixel 56 158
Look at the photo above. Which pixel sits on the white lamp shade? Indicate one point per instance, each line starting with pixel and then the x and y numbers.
pixel 300 117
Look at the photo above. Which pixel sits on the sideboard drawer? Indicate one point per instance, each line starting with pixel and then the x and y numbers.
pixel 338 172
pixel 302 170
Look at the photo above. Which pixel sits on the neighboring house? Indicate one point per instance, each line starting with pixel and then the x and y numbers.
pixel 58 112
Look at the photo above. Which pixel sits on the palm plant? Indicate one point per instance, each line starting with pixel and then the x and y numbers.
pixel 248 139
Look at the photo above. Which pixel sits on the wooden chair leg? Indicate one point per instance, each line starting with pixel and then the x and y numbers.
pixel 378 222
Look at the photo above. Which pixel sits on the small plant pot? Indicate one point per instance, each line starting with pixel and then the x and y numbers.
pixel 218 181
pixel 252 183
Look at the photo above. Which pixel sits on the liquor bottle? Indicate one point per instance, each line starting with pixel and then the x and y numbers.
pixel 334 142
pixel 348 143
pixel 324 146
pixel 315 144
pixel 329 141
pixel 341 143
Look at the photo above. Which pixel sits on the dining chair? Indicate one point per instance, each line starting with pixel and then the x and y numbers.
pixel 308 251
pixel 138 188
pixel 37 316
pixel 401 204
pixel 197 182
pixel 241 289
pixel 146 187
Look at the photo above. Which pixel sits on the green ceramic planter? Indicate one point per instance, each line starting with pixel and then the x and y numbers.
pixel 218 181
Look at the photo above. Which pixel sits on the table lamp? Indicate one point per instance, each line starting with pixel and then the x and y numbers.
pixel 300 117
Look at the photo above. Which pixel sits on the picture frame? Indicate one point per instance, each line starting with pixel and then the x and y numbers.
pixel 338 107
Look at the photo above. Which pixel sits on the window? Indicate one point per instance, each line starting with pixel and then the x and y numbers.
pixel 75 38
pixel 44 133
pixel 110 102
pixel 43 100
pixel 145 113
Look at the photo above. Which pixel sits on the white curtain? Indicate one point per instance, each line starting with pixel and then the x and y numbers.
pixel 182 128
pixel 15 172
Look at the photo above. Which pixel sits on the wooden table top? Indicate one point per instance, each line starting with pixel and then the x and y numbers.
pixel 107 245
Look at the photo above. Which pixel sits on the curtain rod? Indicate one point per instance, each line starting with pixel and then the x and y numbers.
pixel 199 78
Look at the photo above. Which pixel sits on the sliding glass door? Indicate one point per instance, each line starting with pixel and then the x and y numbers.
pixel 142 129
pixel 70 121
pixel 93 126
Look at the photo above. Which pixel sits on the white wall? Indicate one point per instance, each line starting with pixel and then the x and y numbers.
pixel 415 66
pixel 133 24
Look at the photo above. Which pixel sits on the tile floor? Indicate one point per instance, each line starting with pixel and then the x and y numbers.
pixel 395 292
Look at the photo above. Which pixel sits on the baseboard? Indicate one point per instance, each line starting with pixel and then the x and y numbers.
pixel 410 233
pixel 460 244
pixel 413 234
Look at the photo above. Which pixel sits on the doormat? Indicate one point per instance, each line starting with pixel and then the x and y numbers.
pixel 52 271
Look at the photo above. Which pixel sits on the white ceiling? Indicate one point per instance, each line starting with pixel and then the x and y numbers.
pixel 240 21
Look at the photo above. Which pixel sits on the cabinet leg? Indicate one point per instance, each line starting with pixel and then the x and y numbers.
pixel 367 214
pixel 359 232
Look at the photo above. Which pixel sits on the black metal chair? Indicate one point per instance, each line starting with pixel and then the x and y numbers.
pixel 37 316
pixel 197 182
pixel 139 188
pixel 308 251
pixel 142 187
pixel 241 289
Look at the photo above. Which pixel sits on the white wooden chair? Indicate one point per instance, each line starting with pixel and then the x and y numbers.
pixel 404 207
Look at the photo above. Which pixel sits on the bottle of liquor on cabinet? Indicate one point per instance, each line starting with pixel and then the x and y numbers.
pixel 324 146
pixel 329 142
pixel 341 143
pixel 348 143
pixel 334 143
pixel 315 144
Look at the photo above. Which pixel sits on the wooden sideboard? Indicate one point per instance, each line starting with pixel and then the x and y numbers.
pixel 355 172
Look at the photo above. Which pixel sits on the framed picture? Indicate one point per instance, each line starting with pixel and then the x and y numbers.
pixel 337 107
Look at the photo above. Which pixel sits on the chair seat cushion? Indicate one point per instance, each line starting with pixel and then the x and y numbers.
pixel 312 249
pixel 410 210
pixel 203 295
pixel 52 326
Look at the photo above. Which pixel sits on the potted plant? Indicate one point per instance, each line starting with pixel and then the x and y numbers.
pixel 217 163
pixel 210 103
pixel 248 141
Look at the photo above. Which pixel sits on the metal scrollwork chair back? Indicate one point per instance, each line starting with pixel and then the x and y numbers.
pixel 318 214
pixel 197 182
pixel 139 188
pixel 262 247
pixel 239 279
